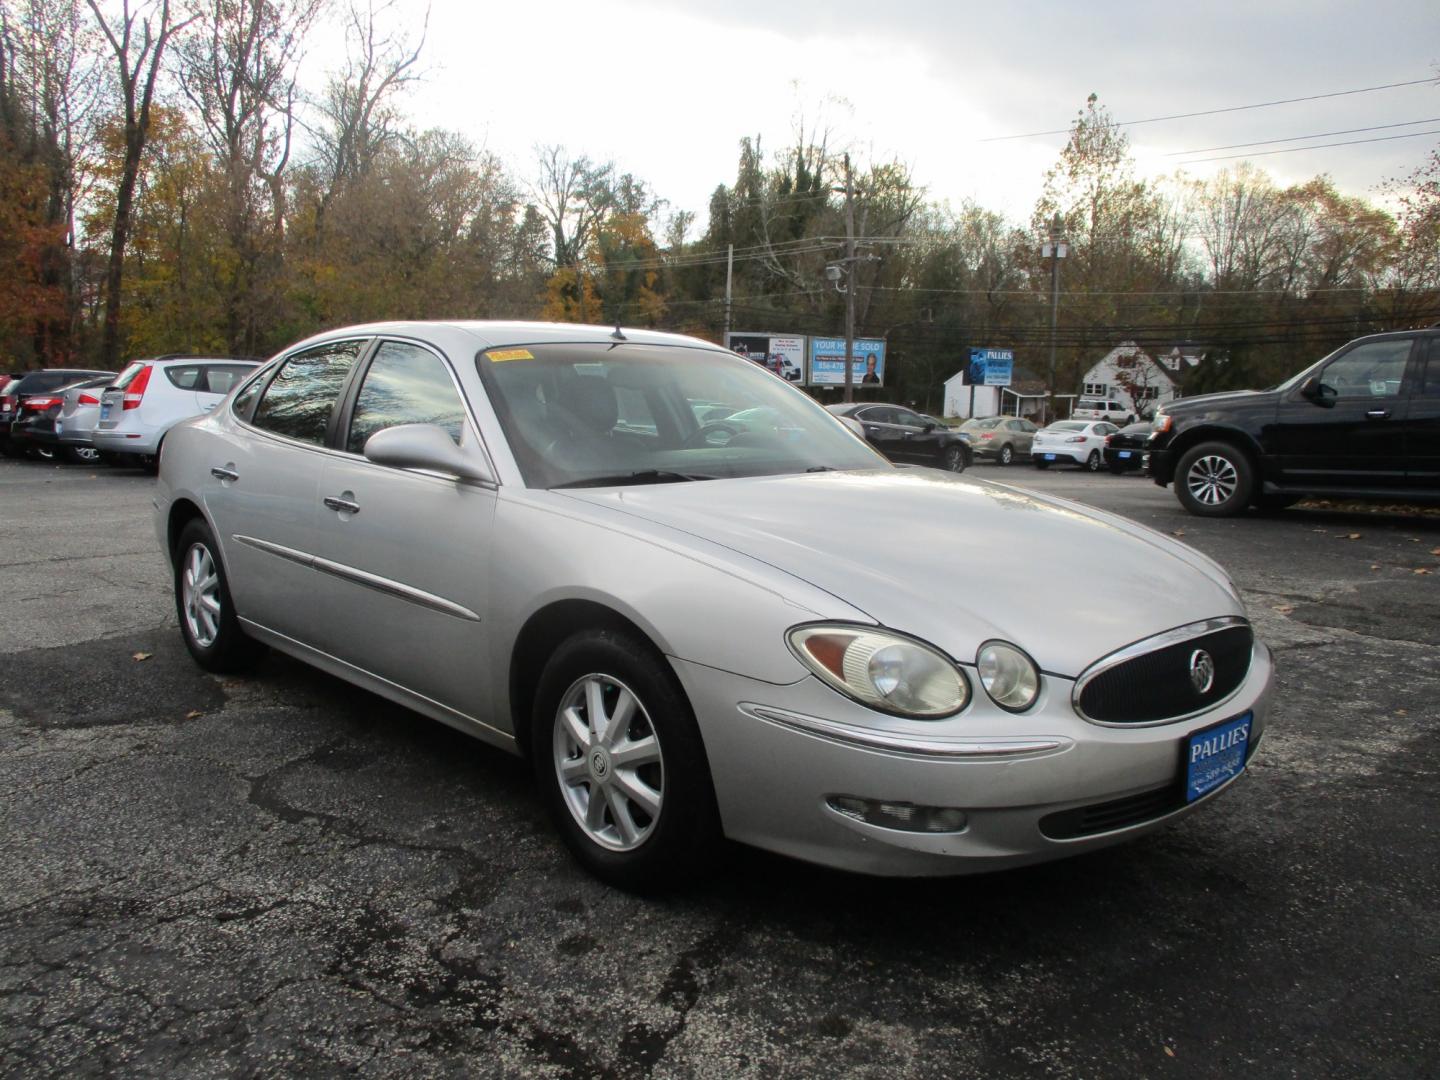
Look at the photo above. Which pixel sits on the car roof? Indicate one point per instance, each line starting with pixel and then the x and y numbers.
pixel 487 334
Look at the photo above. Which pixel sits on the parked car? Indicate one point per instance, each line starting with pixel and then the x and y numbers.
pixel 1361 423
pixel 771 640
pixel 32 385
pixel 1072 442
pixel 79 413
pixel 139 408
pixel 908 437
pixel 1001 438
pixel 36 427
pixel 1125 449
pixel 1114 412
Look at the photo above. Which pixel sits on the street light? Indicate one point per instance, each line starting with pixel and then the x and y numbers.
pixel 1055 248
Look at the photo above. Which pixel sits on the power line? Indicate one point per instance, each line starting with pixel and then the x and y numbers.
pixel 1317 146
pixel 1298 138
pixel 1215 112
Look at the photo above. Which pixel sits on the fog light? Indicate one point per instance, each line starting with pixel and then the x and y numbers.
pixel 906 817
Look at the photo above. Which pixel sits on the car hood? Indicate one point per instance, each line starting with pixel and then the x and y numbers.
pixel 1202 402
pixel 954 560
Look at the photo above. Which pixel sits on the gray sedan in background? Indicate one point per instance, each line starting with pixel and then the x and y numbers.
pixel 696 629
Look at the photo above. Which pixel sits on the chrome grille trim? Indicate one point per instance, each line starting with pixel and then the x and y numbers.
pixel 1177 636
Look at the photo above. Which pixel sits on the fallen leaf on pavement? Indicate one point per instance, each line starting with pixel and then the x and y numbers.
pixel 1284 609
pixel 193 713
pixel 141 656
pixel 1352 536
pixel 1422 570
pixel 1168 1051
pixel 1435 551
pixel 1178 532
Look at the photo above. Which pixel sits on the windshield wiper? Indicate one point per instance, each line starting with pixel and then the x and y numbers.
pixel 644 476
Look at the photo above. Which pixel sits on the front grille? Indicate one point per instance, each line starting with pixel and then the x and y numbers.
pixel 1116 814
pixel 1157 685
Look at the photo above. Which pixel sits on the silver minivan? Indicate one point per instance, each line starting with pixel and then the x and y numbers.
pixel 151 396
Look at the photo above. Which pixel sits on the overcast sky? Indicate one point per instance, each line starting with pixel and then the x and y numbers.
pixel 667 88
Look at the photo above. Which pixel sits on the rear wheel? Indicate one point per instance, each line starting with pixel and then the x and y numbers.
pixel 1092 463
pixel 202 599
pixel 81 455
pixel 620 762
pixel 1007 454
pixel 1214 479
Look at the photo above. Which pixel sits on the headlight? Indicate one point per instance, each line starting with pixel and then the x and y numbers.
pixel 1161 424
pixel 1009 676
pixel 883 670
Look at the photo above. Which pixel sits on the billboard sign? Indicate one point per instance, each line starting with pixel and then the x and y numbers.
pixel 991 367
pixel 827 362
pixel 784 354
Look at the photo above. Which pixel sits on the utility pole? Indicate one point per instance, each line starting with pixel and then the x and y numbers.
pixel 850 290
pixel 729 276
pixel 1054 249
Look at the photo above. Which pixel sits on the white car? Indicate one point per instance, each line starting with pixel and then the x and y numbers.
pixel 1072 442
pixel 150 397
pixel 1116 412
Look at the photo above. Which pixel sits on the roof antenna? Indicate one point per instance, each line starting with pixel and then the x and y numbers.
pixel 618 335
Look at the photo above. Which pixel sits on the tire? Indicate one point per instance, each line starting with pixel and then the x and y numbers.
pixel 953 459
pixel 657 822
pixel 42 453
pixel 1007 454
pixel 1093 462
pixel 202 600
pixel 1214 479
pixel 81 455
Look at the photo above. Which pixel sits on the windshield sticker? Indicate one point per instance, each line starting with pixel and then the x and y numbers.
pixel 499 356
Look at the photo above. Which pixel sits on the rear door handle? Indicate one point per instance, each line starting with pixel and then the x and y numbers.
pixel 344 506
pixel 224 474
pixel 1378 414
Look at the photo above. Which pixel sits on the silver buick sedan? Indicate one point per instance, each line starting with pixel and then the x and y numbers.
pixel 752 627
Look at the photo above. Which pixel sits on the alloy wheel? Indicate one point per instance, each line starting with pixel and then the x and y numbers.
pixel 607 756
pixel 200 596
pixel 1212 480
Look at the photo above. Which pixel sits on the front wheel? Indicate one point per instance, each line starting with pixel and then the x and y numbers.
pixel 81 455
pixel 1214 479
pixel 1092 463
pixel 954 459
pixel 202 599
pixel 620 763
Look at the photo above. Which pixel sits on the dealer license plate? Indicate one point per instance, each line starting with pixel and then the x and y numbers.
pixel 1049 457
pixel 105 411
pixel 1124 453
pixel 1215 756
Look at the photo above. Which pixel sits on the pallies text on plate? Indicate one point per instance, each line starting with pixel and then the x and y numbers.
pixel 1205 748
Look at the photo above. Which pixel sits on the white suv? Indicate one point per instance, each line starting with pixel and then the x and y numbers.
pixel 1114 412
pixel 152 396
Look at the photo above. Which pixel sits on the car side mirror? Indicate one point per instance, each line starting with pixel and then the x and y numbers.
pixel 927 428
pixel 1315 391
pixel 425 446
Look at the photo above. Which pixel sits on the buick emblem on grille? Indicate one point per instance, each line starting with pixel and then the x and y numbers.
pixel 1202 671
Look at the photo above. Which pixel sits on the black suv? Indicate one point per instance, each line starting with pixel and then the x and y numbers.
pixel 1362 423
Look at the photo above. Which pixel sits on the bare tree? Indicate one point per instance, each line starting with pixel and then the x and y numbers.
pixel 138 50
pixel 575 195
pixel 359 120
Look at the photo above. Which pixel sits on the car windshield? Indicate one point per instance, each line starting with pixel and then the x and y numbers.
pixel 601 413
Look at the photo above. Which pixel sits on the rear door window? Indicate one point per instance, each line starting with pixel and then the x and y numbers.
pixel 301 397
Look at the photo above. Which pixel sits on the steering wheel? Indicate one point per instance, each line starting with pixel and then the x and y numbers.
pixel 701 436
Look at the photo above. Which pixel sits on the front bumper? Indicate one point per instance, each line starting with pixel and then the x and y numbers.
pixel 779 753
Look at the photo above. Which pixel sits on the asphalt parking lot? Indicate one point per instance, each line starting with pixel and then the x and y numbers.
pixel 280 874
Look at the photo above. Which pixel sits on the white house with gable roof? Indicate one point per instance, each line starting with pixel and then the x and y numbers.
pixel 1142 382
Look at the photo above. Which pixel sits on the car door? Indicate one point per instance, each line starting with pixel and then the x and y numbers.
pixel 404 553
pixel 916 443
pixel 1356 441
pixel 1422 431
pixel 262 485
pixel 883 430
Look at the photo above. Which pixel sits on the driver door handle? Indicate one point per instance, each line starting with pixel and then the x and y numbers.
pixel 345 506
pixel 224 474
pixel 1378 414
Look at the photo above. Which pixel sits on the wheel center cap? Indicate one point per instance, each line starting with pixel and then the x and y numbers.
pixel 600 766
